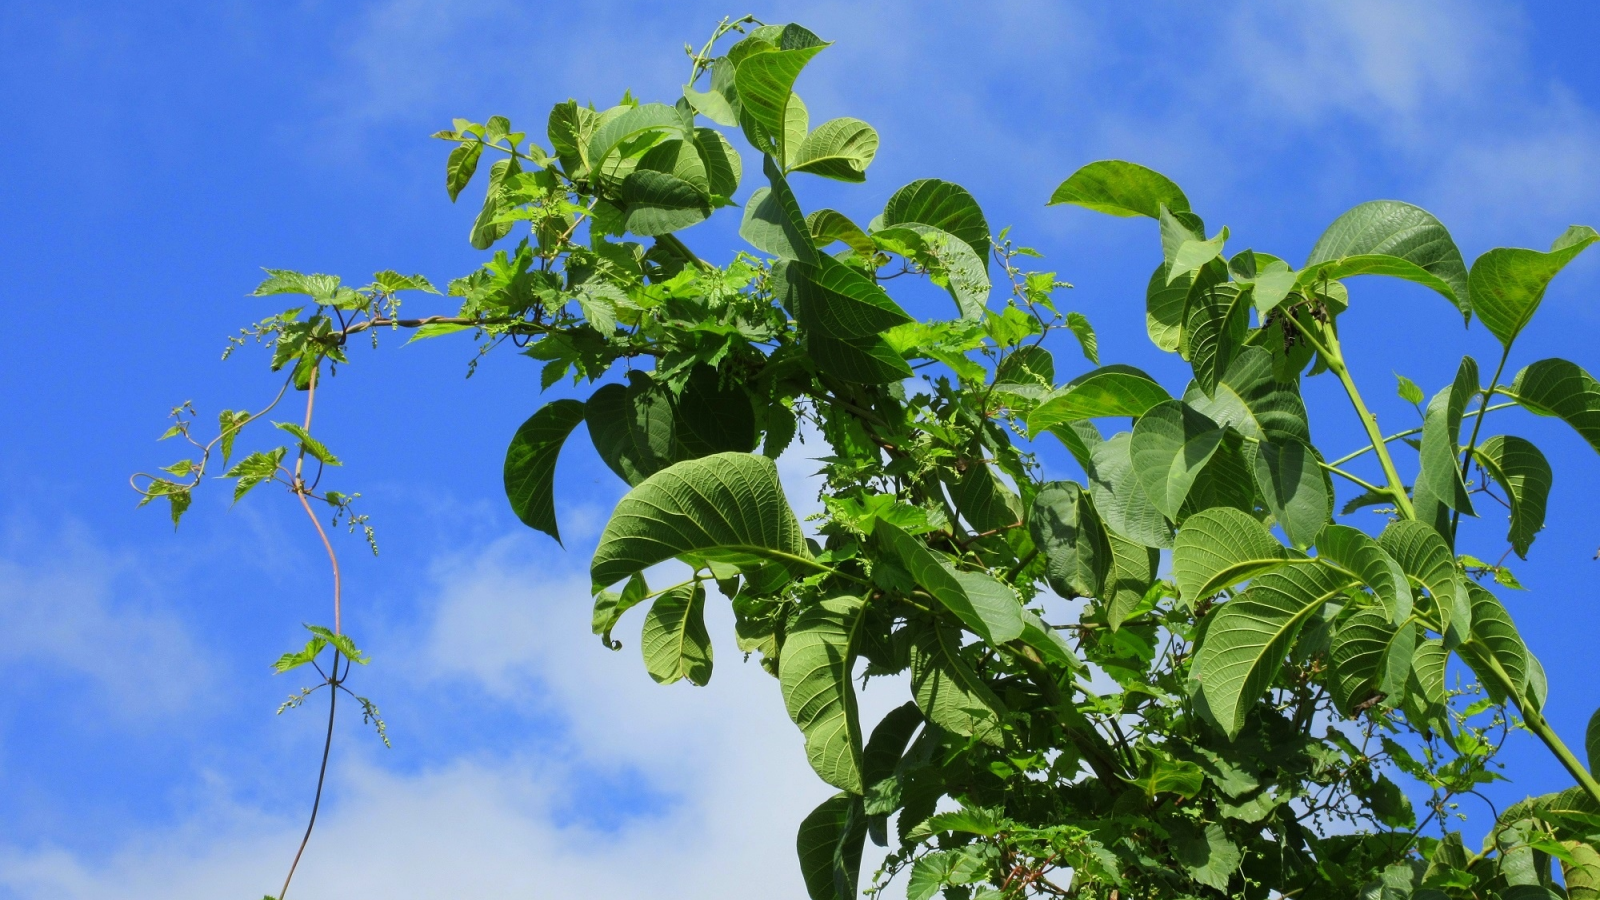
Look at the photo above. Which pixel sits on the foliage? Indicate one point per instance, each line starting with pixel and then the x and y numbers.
pixel 1078 724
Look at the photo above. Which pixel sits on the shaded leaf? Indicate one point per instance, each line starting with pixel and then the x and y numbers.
pixel 1524 474
pixel 530 465
pixel 814 672
pixel 1387 237
pixel 1290 479
pixel 675 643
pixel 1218 548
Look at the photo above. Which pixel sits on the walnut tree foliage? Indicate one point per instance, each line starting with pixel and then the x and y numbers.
pixel 1177 673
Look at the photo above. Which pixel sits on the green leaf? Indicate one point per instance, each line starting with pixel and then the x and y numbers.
pixel 942 205
pixel 1508 283
pixel 1427 561
pixel 1387 237
pixel 490 225
pixel 1128 579
pixel 726 508
pixel 836 300
pixel 1114 390
pixel 983 603
pixel 1164 775
pixel 1079 325
pixel 1119 497
pixel 1209 857
pixel 1192 254
pixel 458 169
pixel 1362 557
pixel 656 203
pixel 765 81
pixel 827 226
pixel 1291 481
pixel 951 263
pixel 609 607
pixel 1165 302
pixel 1424 701
pixel 840 149
pixel 723 167
pixel 1495 636
pixel 946 689
pixel 882 754
pixel 1440 476
pixel 633 427
pixel 630 124
pixel 714 415
pixel 1246 643
pixel 1065 529
pixel 1171 443
pixel 1525 476
pixel 1591 742
pixel 675 643
pixel 1369 656
pixel 1218 548
pixel 1556 387
pixel 530 466
pixel 1121 189
pixel 308 444
pixel 985 501
pixel 1408 390
pixel 1214 334
pixel 829 845
pixel 814 672
pixel 773 222
pixel 340 642
pixel 252 470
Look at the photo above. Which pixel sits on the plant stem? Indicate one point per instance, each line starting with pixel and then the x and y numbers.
pixel 1477 424
pixel 1335 360
pixel 1401 434
pixel 1330 467
pixel 1538 725
pixel 673 241
pixel 322 775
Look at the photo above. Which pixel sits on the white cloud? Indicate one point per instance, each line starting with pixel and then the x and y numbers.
pixel 69 608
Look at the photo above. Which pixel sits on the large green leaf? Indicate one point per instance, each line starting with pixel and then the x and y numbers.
pixel 1165 302
pixel 1556 387
pixel 1128 579
pixel 463 162
pixel 724 168
pixel 949 261
pixel 840 149
pixel 1171 443
pixel 773 222
pixel 1508 283
pixel 946 689
pixel 765 81
pixel 1191 255
pixel 985 501
pixel 1218 548
pixel 1208 856
pixel 530 467
pixel 1591 742
pixel 630 124
pixel 727 507
pixel 1362 557
pixel 632 427
pixel 1425 693
pixel 1275 405
pixel 881 757
pixel 1494 636
pixel 1066 530
pixel 1290 479
pixel 1246 643
pixel 829 845
pixel 1370 656
pixel 1387 237
pixel 1123 505
pixel 1215 331
pixel 675 643
pixel 814 672
pixel 1113 390
pixel 714 415
pixel 987 606
pixel 829 225
pixel 943 205
pixel 655 203
pixel 1425 558
pixel 1524 474
pixel 1121 189
pixel 836 300
pixel 490 225
pixel 1440 476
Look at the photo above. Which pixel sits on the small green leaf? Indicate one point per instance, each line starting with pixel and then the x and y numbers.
pixel 827 226
pixel 1065 529
pixel 656 203
pixel 1209 857
pixel 459 168
pixel 1078 323
pixel 675 643
pixel 1408 390
pixel 1120 189
pixel 530 464
pixel 633 427
pixel 254 469
pixel 1114 390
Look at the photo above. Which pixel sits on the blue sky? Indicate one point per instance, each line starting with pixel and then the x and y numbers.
pixel 161 153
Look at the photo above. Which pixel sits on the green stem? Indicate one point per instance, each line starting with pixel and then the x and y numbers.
pixel 1330 467
pixel 677 244
pixel 1331 355
pixel 1538 725
pixel 1401 434
pixel 1477 424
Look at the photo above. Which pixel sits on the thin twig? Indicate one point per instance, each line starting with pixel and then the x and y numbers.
pixel 322 775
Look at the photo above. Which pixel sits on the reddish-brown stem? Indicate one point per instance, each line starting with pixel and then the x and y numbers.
pixel 332 559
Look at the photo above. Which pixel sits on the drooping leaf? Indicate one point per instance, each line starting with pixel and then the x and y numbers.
pixel 459 168
pixel 1171 443
pixel 1361 556
pixel 1524 474
pixel 1290 479
pixel 1079 325
pixel 724 169
pixel 943 205
pixel 1194 253
pixel 1494 636
pixel 1114 390
pixel 1425 558
pixel 984 604
pixel 609 608
pixel 1441 435
pixel 1165 302
pixel 881 757
pixel 1370 656
pixel 714 415
pixel 1275 405
pixel 828 225
pixel 1121 189
pixel 829 845
pixel 675 643
pixel 632 428
pixel 773 222
pixel 1508 283
pixel 726 508
pixel 946 689
pixel 950 262
pixel 1218 548
pixel 1208 856
pixel 1424 701
pixel 530 466
pixel 1065 529
pixel 834 299
pixel 814 672
pixel 1215 332
pixel 1128 578
pixel 840 149
pixel 1556 387
pixel 656 203
pixel 1246 644
pixel 1119 497
pixel 765 81
pixel 1387 237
